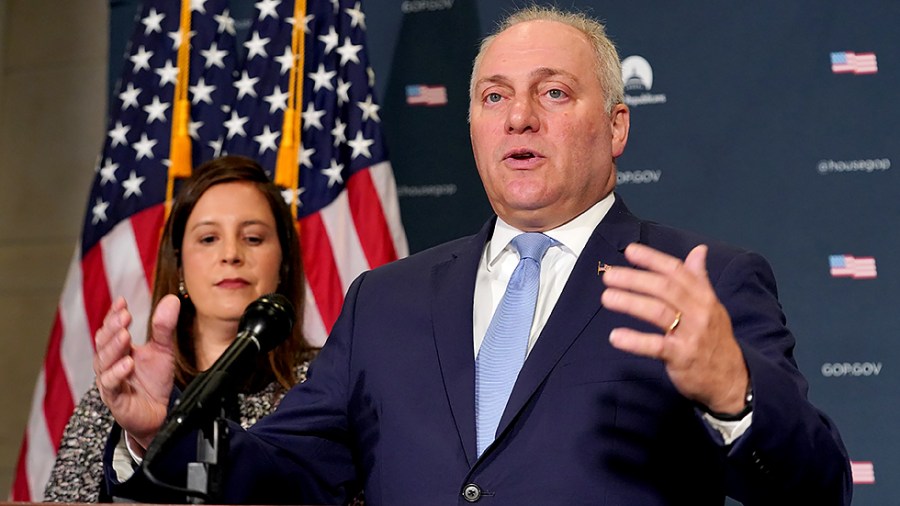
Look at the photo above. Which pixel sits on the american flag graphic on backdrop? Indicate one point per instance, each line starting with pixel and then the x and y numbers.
pixel 843 62
pixel 347 206
pixel 849 266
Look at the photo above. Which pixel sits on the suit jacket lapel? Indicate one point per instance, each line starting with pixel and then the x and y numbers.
pixel 578 303
pixel 453 283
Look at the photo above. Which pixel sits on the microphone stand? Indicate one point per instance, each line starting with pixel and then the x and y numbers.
pixel 206 475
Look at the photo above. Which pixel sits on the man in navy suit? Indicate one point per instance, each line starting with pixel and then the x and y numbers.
pixel 659 370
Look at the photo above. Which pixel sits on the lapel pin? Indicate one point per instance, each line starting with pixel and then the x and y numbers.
pixel 602 267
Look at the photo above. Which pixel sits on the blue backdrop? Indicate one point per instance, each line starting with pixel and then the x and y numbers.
pixel 766 124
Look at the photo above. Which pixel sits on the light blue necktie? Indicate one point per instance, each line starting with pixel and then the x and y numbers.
pixel 506 342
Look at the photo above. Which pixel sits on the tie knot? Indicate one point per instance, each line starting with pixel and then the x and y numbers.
pixel 532 245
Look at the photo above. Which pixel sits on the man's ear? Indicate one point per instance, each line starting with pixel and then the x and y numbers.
pixel 619 123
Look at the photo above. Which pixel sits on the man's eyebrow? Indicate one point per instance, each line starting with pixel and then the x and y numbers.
pixel 494 79
pixel 545 72
pixel 536 74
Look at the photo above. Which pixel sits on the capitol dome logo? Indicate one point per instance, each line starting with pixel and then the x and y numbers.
pixel 637 76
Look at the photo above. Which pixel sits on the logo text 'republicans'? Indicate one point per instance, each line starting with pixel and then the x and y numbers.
pixel 637 76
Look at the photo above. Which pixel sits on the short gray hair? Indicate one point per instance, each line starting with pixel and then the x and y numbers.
pixel 608 66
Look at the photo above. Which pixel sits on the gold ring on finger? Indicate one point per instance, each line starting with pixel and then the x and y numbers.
pixel 675 323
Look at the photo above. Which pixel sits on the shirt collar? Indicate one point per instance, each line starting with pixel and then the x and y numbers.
pixel 573 235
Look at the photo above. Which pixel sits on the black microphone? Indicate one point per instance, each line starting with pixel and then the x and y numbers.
pixel 266 322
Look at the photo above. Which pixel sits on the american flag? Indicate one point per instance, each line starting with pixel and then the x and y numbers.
pixel 863 473
pixel 843 62
pixel 423 94
pixel 347 207
pixel 346 201
pixel 848 266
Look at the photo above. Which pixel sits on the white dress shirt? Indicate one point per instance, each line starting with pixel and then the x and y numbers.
pixel 499 260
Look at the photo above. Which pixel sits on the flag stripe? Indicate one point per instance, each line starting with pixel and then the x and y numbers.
pixel 321 269
pixel 96 288
pixel 365 206
pixel 37 466
pixel 76 338
pixel 58 398
pixel 313 327
pixel 122 262
pixel 147 226
pixel 863 473
pixel 344 239
pixel 20 484
pixel 383 179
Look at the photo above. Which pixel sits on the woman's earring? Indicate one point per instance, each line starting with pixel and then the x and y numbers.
pixel 182 290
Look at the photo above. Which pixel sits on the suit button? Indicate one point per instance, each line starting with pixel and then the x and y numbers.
pixel 471 492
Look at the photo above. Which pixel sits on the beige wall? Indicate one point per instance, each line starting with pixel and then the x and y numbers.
pixel 53 60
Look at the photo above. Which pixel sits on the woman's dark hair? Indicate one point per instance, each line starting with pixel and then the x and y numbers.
pixel 281 362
